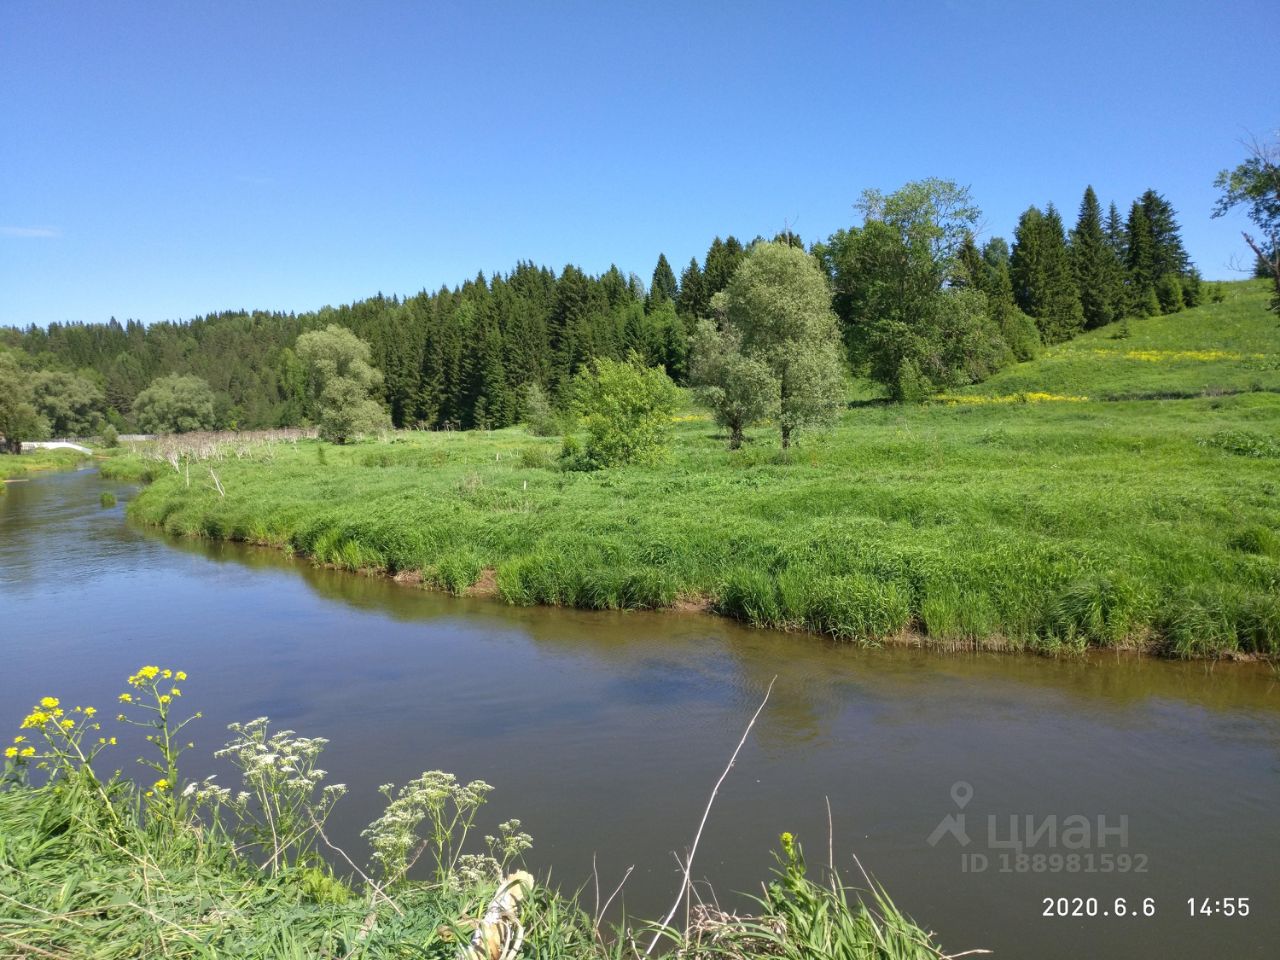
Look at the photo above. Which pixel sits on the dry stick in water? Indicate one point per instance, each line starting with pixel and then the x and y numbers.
pixel 688 864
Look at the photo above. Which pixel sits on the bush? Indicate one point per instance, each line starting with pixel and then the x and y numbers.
pixel 110 438
pixel 540 416
pixel 627 409
pixel 1169 293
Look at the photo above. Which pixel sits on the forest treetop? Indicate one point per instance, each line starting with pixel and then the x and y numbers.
pixel 920 307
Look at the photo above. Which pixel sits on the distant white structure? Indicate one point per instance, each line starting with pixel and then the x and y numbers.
pixel 29 445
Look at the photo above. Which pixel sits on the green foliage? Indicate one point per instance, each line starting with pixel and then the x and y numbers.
pixel 98 866
pixel 70 404
pixel 1099 273
pixel 1255 184
pixel 19 418
pixel 626 409
pixel 741 390
pixel 1140 264
pixel 877 517
pixel 542 419
pixel 778 309
pixel 921 307
pixel 1245 443
pixel 663 288
pixel 1169 293
pixel 110 437
pixel 107 499
pixel 339 383
pixel 175 404
pixel 1041 271
pixel 801 919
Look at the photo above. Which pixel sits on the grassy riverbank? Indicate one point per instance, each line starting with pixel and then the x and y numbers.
pixel 18 465
pixel 1069 501
pixel 93 865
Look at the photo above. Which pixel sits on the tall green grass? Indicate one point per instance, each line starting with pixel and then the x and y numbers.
pixel 96 866
pixel 1052 526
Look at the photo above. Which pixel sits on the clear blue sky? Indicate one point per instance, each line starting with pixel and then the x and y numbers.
pixel 163 160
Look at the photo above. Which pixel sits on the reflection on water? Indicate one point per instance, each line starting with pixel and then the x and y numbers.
pixel 604 732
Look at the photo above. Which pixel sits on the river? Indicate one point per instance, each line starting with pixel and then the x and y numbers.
pixel 604 734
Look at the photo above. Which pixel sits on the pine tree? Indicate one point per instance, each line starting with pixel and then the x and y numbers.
pixel 693 300
pixel 1116 235
pixel 1043 283
pixel 1169 255
pixel 970 269
pixel 1095 268
pixel 1026 267
pixel 567 329
pixel 1140 264
pixel 663 286
pixel 722 261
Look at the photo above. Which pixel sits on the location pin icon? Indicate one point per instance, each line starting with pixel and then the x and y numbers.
pixel 961 793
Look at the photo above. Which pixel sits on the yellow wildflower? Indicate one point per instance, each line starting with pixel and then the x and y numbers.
pixel 10 752
pixel 27 752
pixel 165 698
pixel 126 698
pixel 49 702
pixel 161 785
pixel 90 711
pixel 19 738
pixel 180 675
pixel 68 724
pixel 36 718
pixel 167 674
pixel 111 741
pixel 176 692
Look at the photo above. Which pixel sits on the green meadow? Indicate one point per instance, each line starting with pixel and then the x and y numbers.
pixel 1122 490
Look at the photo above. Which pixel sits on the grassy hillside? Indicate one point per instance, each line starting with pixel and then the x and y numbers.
pixel 1029 512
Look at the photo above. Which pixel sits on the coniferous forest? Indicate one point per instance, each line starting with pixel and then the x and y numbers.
pixel 923 306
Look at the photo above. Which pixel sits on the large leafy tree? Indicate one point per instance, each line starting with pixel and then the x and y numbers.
pixel 70 403
pixel 778 308
pixel 1255 185
pixel 19 418
pixel 898 280
pixel 175 404
pixel 340 383
pixel 740 389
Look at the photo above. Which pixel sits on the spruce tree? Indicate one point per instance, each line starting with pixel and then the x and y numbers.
pixel 1116 236
pixel 1168 254
pixel 1140 264
pixel 1043 282
pixel 1094 265
pixel 663 287
pixel 693 300
pixel 1026 263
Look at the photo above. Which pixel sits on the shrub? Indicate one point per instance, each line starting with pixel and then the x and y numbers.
pixel 1169 293
pixel 627 409
pixel 110 438
pixel 540 416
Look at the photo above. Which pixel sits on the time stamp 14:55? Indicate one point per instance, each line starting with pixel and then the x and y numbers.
pixel 1146 907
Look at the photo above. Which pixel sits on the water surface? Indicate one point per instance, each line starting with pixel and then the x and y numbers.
pixel 604 733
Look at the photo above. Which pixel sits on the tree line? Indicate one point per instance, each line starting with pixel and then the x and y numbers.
pixel 918 306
